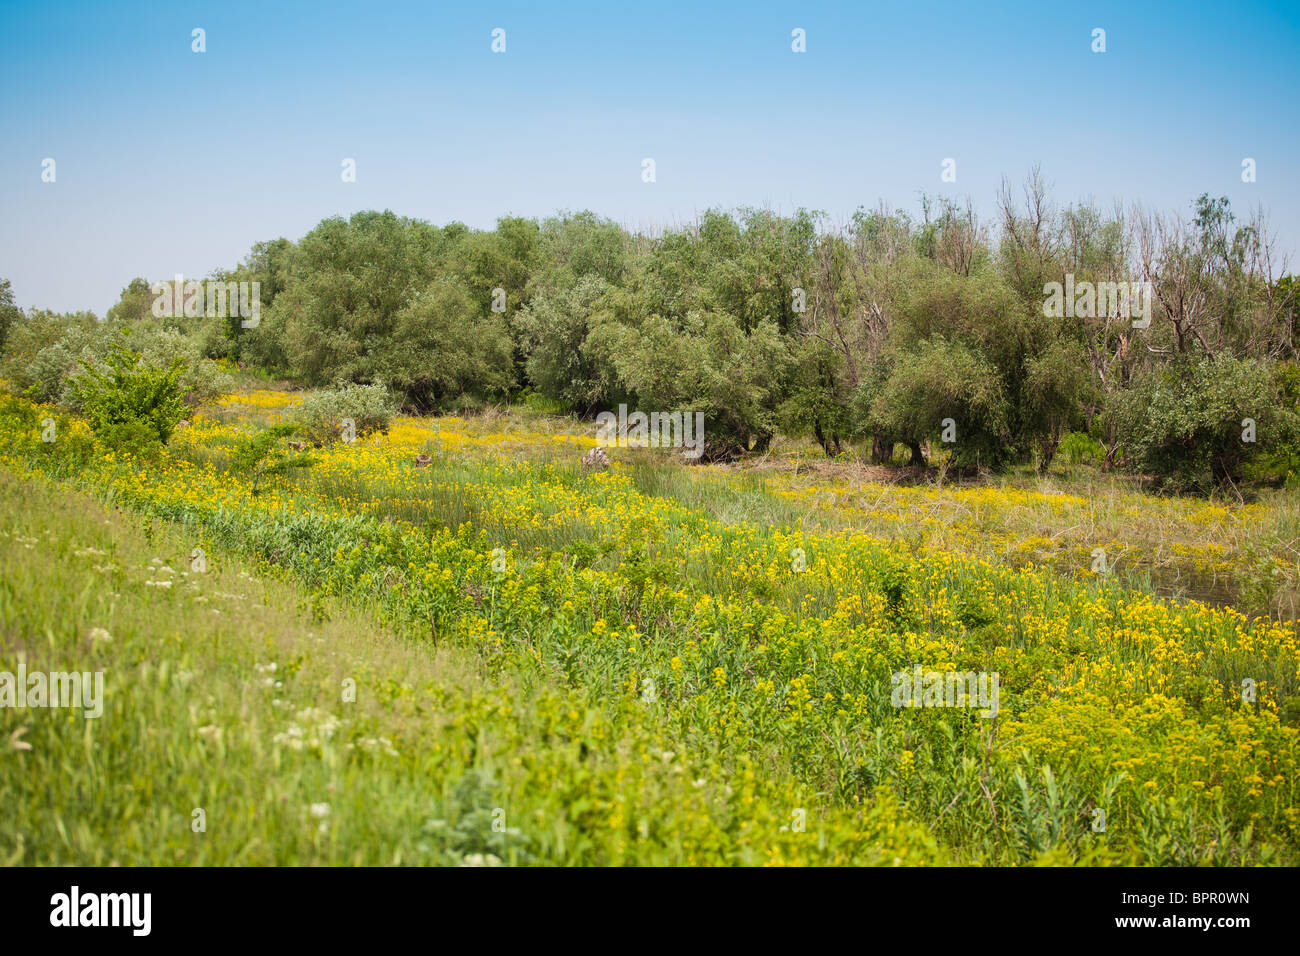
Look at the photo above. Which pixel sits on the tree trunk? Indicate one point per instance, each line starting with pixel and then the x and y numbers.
pixel 882 449
pixel 1108 463
pixel 1047 451
pixel 821 439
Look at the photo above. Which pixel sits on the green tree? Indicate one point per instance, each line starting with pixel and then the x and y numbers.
pixel 353 279
pixel 1187 424
pixel 943 386
pixel 10 314
pixel 441 348
pixel 554 328
pixel 134 305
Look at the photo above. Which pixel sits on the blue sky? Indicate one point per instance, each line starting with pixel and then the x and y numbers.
pixel 170 161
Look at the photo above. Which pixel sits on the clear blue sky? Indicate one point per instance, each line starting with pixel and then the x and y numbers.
pixel 171 161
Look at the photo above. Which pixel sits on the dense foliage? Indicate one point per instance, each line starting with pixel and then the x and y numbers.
pixel 935 334
pixel 131 403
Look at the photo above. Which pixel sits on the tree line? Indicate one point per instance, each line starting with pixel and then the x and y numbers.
pixel 936 334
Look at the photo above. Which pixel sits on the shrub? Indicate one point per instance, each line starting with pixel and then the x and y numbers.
pixel 47 352
pixel 1278 461
pixel 1184 425
pixel 130 393
pixel 264 455
pixel 321 415
pixel 203 380
pixel 136 439
pixel 1080 447
pixel 44 349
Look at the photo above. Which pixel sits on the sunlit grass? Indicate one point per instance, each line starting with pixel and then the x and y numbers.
pixel 747 621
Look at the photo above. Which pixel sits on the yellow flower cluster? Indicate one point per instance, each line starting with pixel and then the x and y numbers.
pixel 780 638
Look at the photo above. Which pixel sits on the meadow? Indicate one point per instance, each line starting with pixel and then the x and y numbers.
pixel 500 657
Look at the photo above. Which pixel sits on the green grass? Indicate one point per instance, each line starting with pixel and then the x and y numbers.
pixel 190 720
pixel 430 764
pixel 771 688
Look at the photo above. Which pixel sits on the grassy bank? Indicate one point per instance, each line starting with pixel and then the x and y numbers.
pixel 671 678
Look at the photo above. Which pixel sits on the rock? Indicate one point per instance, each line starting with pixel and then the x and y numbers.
pixel 596 460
